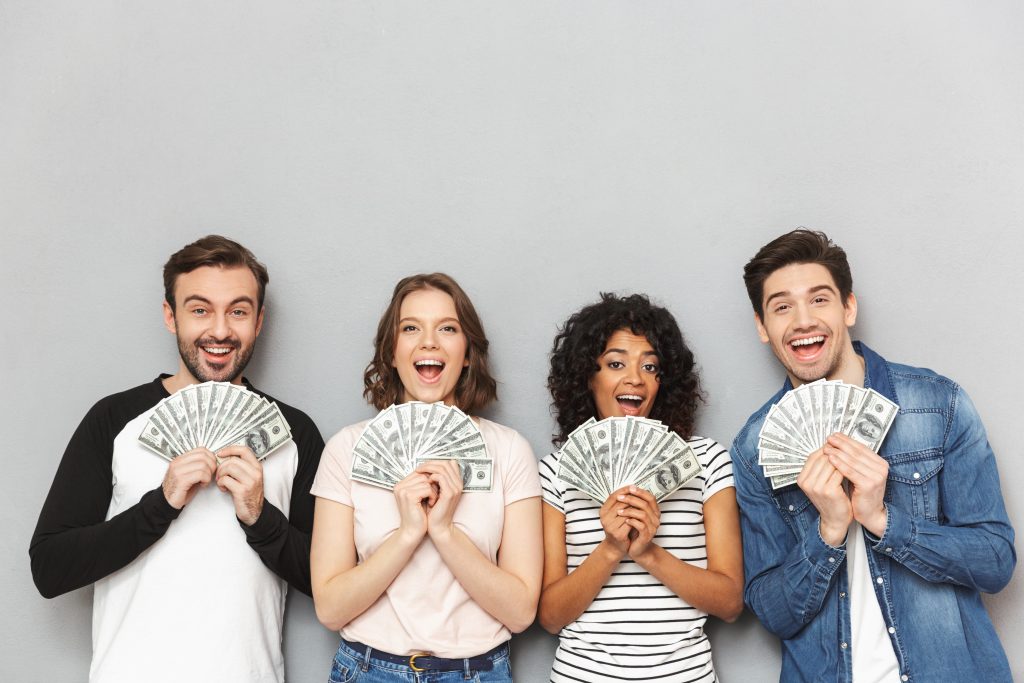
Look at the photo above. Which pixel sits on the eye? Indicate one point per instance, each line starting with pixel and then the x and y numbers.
pixel 781 308
pixel 408 328
pixel 198 311
pixel 239 313
pixel 451 329
pixel 820 300
pixel 650 367
pixel 616 364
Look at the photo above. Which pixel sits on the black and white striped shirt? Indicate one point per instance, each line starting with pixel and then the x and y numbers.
pixel 636 628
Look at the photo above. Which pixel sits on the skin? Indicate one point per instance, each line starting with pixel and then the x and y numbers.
pixel 630 517
pixel 214 308
pixel 802 301
pixel 427 500
pixel 429 329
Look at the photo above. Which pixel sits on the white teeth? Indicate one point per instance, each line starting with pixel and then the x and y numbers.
pixel 216 351
pixel 430 362
pixel 629 397
pixel 808 340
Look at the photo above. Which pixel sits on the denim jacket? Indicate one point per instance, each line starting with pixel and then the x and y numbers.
pixel 947 537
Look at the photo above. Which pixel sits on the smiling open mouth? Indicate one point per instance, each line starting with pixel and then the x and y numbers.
pixel 429 369
pixel 216 350
pixel 807 347
pixel 630 401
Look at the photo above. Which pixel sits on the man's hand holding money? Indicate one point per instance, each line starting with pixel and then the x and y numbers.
pixel 241 474
pixel 867 473
pixel 186 474
pixel 822 483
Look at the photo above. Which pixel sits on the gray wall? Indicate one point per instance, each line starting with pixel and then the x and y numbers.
pixel 538 151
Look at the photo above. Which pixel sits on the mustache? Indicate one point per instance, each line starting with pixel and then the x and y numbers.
pixel 211 341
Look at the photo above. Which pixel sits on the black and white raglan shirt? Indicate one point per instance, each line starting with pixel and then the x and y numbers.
pixel 189 595
pixel 636 628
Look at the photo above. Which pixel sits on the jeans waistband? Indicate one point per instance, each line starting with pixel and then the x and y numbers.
pixel 428 662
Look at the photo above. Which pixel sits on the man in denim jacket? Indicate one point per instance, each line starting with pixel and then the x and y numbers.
pixel 870 567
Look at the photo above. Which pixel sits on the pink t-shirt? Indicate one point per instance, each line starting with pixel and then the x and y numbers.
pixel 425 609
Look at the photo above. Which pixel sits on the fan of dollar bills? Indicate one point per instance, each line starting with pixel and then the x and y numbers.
pixel 403 437
pixel 601 457
pixel 214 415
pixel 798 425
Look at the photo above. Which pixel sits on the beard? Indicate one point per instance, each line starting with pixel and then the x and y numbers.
pixel 189 352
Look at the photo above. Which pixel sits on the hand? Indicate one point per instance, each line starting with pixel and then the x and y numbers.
pixel 823 485
pixel 186 474
pixel 644 516
pixel 241 474
pixel 446 477
pixel 414 495
pixel 867 473
pixel 616 531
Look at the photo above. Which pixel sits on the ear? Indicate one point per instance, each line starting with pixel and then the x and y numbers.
pixel 761 331
pixel 259 320
pixel 850 317
pixel 169 322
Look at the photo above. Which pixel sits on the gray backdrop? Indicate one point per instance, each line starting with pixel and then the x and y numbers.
pixel 539 152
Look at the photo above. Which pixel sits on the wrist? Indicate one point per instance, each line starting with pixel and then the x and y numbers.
pixel 877 522
pixel 609 552
pixel 441 535
pixel 833 534
pixel 646 557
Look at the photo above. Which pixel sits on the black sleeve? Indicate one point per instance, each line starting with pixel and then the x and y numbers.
pixel 283 542
pixel 73 545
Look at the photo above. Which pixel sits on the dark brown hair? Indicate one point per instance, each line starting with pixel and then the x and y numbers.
pixel 381 384
pixel 799 246
pixel 583 338
pixel 213 250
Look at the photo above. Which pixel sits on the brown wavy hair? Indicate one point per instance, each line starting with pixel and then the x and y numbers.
pixel 381 383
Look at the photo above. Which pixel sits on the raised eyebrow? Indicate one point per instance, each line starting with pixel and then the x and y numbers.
pixel 242 300
pixel 196 297
pixel 812 290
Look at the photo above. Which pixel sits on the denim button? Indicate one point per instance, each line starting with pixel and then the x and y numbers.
pixel 892 629
pixel 843 645
pixel 888 550
pixel 831 559
pixel 904 677
pixel 791 508
pixel 917 475
pixel 842 595
pixel 879 579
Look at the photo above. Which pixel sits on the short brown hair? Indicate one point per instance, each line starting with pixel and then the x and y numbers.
pixel 213 250
pixel 795 247
pixel 475 389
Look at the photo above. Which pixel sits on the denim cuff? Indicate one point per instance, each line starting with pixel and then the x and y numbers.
pixel 826 558
pixel 899 533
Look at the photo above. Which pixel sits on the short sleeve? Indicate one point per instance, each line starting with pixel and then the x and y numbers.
pixel 717 469
pixel 550 483
pixel 332 476
pixel 520 474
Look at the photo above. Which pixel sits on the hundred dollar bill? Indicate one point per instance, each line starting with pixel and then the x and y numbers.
pixel 672 474
pixel 873 421
pixel 153 439
pixel 266 436
pixel 784 480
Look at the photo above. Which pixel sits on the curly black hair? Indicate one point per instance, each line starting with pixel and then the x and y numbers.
pixel 583 339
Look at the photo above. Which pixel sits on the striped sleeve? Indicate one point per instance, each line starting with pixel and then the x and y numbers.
pixel 550 484
pixel 717 467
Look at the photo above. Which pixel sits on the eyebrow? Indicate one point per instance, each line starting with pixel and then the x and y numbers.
pixel 204 300
pixel 812 290
pixel 412 318
pixel 645 353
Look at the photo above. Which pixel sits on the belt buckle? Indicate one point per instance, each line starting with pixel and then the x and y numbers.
pixel 412 661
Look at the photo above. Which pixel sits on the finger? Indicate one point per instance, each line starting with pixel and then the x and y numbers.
pixel 639 502
pixel 243 452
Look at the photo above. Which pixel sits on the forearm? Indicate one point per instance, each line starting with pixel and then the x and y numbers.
pixel 564 600
pixel 283 548
pixel 980 557
pixel 710 591
pixel 342 597
pixel 500 593
pixel 65 557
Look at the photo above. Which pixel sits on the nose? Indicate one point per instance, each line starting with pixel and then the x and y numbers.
pixel 428 339
pixel 633 374
pixel 804 319
pixel 221 329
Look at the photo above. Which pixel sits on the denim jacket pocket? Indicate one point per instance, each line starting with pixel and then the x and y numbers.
pixel 796 509
pixel 913 483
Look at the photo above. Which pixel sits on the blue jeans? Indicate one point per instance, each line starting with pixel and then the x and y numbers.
pixel 350 665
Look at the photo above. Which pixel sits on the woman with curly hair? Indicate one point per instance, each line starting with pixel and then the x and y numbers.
pixel 423 581
pixel 628 584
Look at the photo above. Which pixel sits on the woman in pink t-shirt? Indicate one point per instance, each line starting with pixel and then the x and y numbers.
pixel 423 578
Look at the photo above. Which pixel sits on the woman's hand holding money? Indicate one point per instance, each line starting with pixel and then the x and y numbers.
pixel 414 496
pixel 616 530
pixel 643 516
pixel 186 474
pixel 446 477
